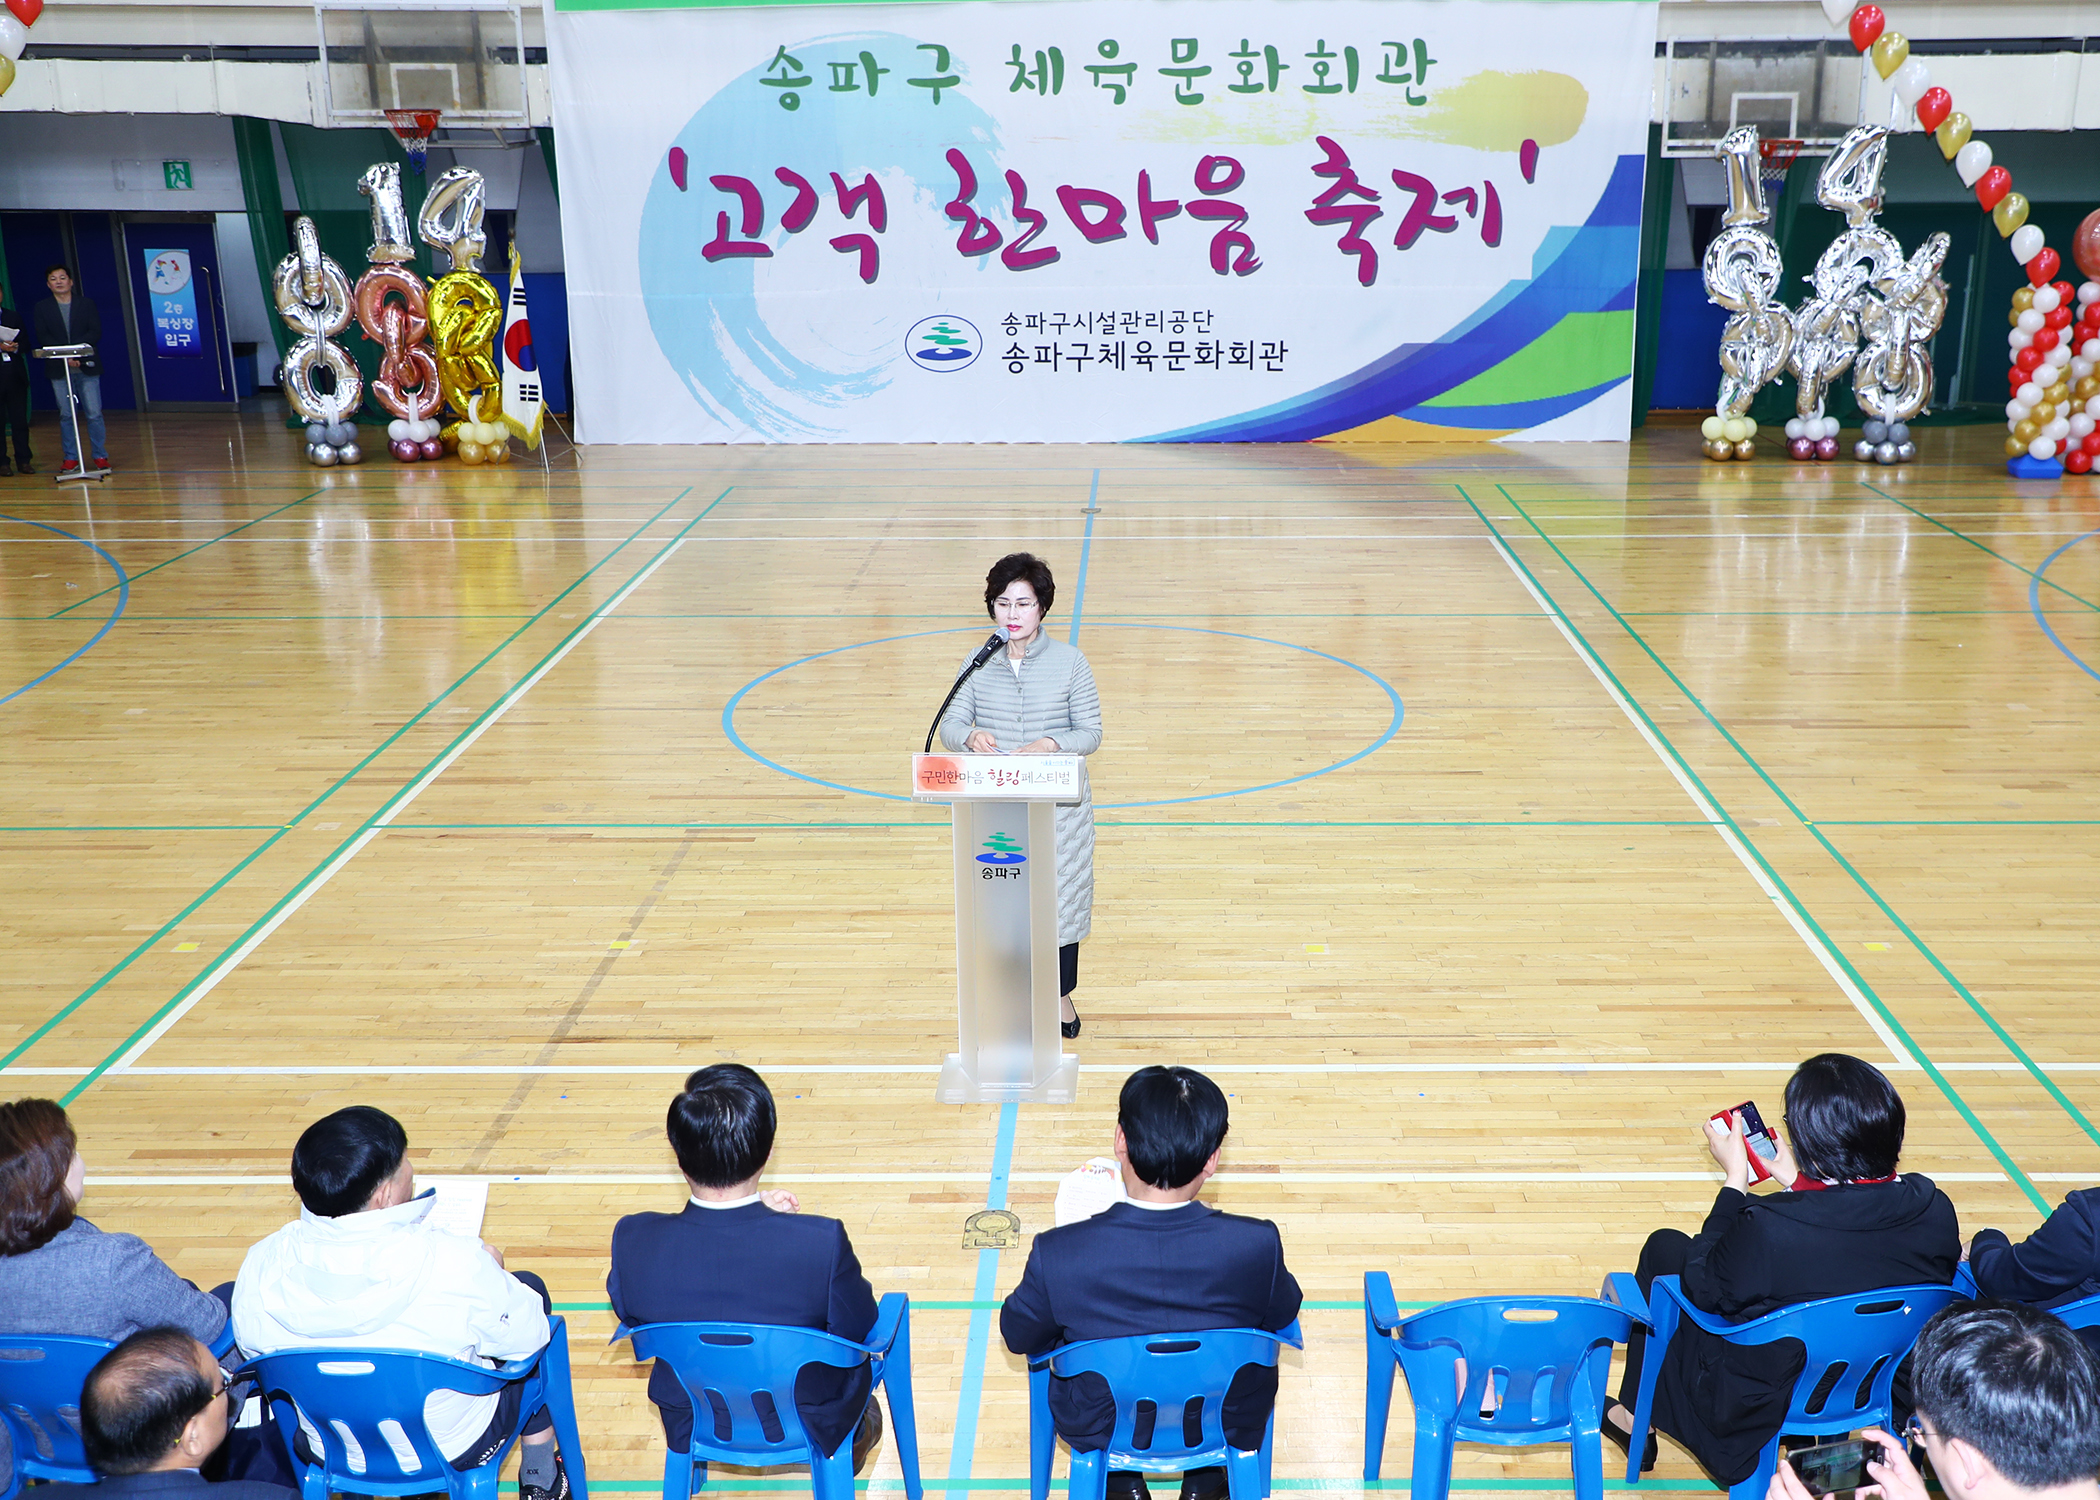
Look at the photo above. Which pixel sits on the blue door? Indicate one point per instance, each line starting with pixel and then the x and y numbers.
pixel 177 306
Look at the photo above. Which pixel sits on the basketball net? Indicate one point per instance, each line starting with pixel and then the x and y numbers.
pixel 1776 157
pixel 413 129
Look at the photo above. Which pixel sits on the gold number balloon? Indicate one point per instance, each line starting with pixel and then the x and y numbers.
pixel 465 313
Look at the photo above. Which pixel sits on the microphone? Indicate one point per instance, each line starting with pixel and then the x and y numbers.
pixel 994 643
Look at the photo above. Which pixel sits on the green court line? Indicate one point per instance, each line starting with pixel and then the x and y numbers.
pixel 370 822
pixel 178 557
pixel 1975 1005
pixel 1888 1017
pixel 257 852
pixel 1981 547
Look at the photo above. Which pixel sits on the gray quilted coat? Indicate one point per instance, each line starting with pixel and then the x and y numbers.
pixel 1051 694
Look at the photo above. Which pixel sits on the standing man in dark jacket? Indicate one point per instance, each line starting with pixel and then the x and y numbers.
pixel 67 316
pixel 736 1255
pixel 14 391
pixel 1159 1263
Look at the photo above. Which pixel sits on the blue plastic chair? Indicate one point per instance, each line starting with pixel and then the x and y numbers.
pixel 40 1380
pixel 366 1394
pixel 1169 1370
pixel 2084 1313
pixel 1547 1361
pixel 723 1366
pixel 1854 1344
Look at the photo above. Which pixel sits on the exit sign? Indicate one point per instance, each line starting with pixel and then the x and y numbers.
pixel 177 176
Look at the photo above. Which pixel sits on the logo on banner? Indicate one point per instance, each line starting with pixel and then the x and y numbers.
pixel 1006 850
pixel 943 343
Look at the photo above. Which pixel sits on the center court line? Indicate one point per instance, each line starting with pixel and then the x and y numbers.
pixel 1573 1068
pixel 187 998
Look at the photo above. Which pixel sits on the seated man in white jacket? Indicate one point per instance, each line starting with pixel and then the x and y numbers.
pixel 361 1268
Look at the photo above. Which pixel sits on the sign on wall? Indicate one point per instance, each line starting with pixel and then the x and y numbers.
pixel 1054 220
pixel 172 294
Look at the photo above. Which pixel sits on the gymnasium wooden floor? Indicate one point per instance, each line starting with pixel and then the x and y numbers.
pixel 422 788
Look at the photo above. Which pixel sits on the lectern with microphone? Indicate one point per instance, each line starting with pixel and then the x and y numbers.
pixel 1005 810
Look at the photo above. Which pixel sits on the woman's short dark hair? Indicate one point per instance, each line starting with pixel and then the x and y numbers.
pixel 1174 1120
pixel 1028 568
pixel 138 1398
pixel 37 1146
pixel 2014 1384
pixel 722 1125
pixel 1844 1119
pixel 343 1158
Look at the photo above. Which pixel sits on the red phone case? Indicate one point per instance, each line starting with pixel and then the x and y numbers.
pixel 1759 1172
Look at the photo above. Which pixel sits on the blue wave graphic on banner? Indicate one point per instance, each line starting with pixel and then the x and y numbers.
pixel 1590 269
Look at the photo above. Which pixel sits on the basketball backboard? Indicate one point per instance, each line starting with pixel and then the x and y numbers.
pixel 465 58
pixel 1805 91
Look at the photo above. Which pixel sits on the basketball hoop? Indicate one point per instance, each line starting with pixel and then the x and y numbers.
pixel 413 129
pixel 1778 155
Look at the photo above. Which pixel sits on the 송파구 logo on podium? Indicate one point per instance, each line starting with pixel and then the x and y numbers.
pixel 1006 850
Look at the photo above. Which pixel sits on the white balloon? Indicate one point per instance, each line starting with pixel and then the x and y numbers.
pixel 2047 299
pixel 2018 411
pixel 2059 357
pixel 14 36
pixel 1830 427
pixel 397 429
pixel 2058 430
pixel 1911 82
pixel 1972 161
pixel 2089 291
pixel 1711 428
pixel 1796 427
pixel 2082 424
pixel 1749 427
pixel 2080 368
pixel 2019 338
pixel 1839 11
pixel 2092 407
pixel 2041 447
pixel 2029 394
pixel 2027 242
pixel 2090 349
pixel 2031 321
pixel 1735 429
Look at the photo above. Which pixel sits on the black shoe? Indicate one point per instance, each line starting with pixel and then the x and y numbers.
pixel 7 470
pixel 1127 1484
pixel 1068 1030
pixel 867 1435
pixel 1622 1440
pixel 1204 1484
pixel 558 1491
pixel 26 467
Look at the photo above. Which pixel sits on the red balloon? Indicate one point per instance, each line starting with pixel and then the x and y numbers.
pixel 26 11
pixel 2060 317
pixel 2029 359
pixel 2045 339
pixel 2065 292
pixel 1800 448
pixel 2085 245
pixel 1934 108
pixel 2092 443
pixel 1826 448
pixel 2043 266
pixel 432 448
pixel 2080 462
pixel 1990 187
pixel 1866 26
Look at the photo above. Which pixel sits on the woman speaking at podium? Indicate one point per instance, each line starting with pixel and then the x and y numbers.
pixel 1037 698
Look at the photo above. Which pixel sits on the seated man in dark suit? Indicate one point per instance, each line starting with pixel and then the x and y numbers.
pixel 1160 1263
pixel 153 1410
pixel 736 1255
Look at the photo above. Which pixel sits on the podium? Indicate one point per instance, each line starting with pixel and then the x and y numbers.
pixel 70 352
pixel 1007 1045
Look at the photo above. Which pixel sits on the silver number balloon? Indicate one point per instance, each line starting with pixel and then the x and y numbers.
pixel 313 297
pixel 1743 270
pixel 306 357
pixel 391 244
pixel 1850 182
pixel 452 215
pixel 1893 379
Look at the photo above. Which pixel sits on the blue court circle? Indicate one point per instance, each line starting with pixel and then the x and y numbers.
pixel 2034 604
pixel 1391 729
pixel 123 599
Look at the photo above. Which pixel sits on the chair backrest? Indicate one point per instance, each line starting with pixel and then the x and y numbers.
pixel 367 1405
pixel 1854 1344
pixel 1176 1375
pixel 1543 1357
pixel 740 1378
pixel 40 1381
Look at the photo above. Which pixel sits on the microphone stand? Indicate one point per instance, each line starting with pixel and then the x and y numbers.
pixel 991 648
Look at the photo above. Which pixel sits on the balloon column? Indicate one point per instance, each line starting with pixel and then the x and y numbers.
pixel 465 312
pixel 2054 414
pixel 1742 271
pixel 314 299
pixel 392 310
pixel 15 22
pixel 1889 51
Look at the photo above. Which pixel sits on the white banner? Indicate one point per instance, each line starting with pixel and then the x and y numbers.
pixel 1050 220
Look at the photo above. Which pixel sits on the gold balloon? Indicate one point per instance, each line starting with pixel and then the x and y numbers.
pixel 1746 449
pixel 7 73
pixel 1889 52
pixel 1954 133
pixel 465 316
pixel 2028 430
pixel 470 453
pixel 2044 412
pixel 2014 447
pixel 2087 388
pixel 2010 213
pixel 2023 299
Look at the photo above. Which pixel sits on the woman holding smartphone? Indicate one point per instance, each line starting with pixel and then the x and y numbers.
pixel 1849 1222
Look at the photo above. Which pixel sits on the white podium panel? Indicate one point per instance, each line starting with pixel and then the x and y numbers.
pixel 1005 819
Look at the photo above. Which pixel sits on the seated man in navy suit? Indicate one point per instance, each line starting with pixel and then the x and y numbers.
pixel 736 1255
pixel 1160 1263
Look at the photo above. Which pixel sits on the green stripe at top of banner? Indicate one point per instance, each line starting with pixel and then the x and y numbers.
pixel 600 5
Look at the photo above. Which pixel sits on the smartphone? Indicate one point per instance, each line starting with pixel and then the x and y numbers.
pixel 1829 1467
pixel 1763 1149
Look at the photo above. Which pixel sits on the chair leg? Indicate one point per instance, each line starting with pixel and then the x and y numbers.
pixel 1586 1453
pixel 1243 1477
pixel 1431 1479
pixel 1378 1400
pixel 832 1478
pixel 680 1476
pixel 560 1396
pixel 1042 1436
pixel 1760 1480
pixel 1088 1479
pixel 904 1424
pixel 1268 1454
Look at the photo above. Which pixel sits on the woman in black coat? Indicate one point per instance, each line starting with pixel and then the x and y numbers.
pixel 1846 1222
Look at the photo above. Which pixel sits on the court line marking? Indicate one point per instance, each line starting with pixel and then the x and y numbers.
pixel 1574 1068
pixel 58 614
pixel 1924 950
pixel 1987 550
pixel 122 585
pixel 260 849
pixel 999 1180
pixel 962 1449
pixel 2034 604
pixel 1855 987
pixel 186 998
